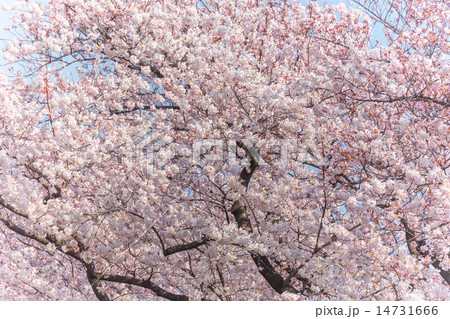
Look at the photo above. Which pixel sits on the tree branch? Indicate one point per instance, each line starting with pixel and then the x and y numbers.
pixel 183 247
pixel 142 283
pixel 406 98
pixel 416 243
pixel 12 209
pixel 240 214
pixel 246 174
pixel 20 231
pixel 51 240
pixel 273 278
pixel 95 283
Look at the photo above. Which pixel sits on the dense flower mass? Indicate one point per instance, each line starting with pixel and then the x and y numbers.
pixel 225 150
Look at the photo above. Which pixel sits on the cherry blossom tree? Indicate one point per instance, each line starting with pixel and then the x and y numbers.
pixel 225 150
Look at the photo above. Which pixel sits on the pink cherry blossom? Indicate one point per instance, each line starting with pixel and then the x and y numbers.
pixel 225 150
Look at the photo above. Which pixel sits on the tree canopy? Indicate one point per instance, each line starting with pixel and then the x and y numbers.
pixel 225 150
